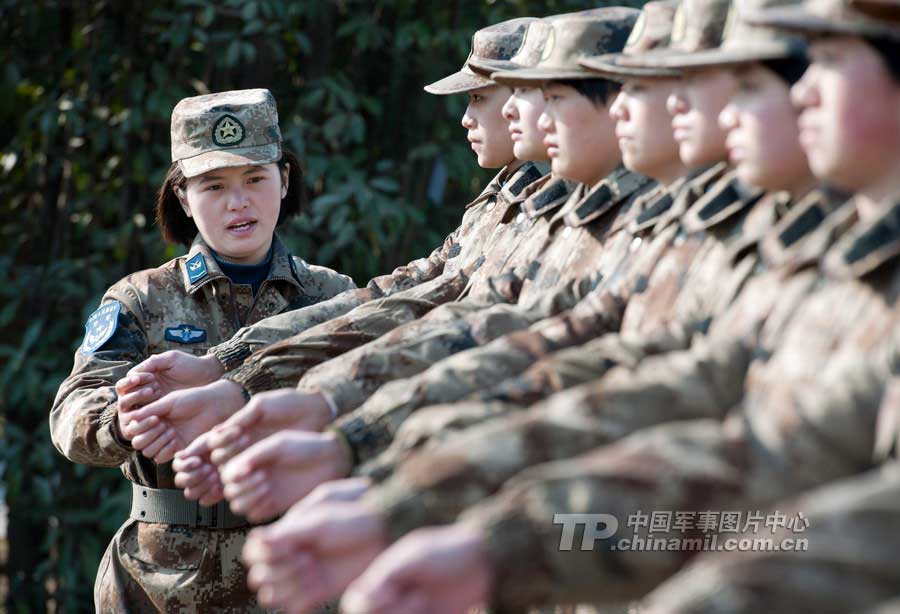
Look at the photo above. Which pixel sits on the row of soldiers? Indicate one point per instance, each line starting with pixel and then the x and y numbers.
pixel 691 315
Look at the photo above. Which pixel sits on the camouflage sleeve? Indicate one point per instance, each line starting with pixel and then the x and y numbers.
pixel 804 437
pixel 83 423
pixel 282 364
pixel 277 328
pixel 572 366
pixel 838 555
pixel 354 377
pixel 428 487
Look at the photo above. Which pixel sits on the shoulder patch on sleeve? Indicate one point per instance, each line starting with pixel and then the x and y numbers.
pixel 100 326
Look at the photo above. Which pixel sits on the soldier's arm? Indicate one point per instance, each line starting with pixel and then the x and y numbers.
pixel 280 327
pixel 804 437
pixel 83 419
pixel 703 381
pixel 282 364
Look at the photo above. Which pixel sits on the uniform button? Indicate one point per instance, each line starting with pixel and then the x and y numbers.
pixel 635 243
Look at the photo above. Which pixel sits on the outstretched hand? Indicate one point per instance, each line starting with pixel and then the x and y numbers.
pixel 275 473
pixel 168 425
pixel 310 557
pixel 438 570
pixel 170 371
pixel 265 414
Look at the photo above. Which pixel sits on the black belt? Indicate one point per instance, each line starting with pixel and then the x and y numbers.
pixel 169 506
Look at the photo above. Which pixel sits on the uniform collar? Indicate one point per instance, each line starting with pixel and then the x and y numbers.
pixel 695 187
pixel 617 188
pixel 724 200
pixel 509 183
pixel 200 268
pixel 867 247
pixel 550 194
pixel 802 237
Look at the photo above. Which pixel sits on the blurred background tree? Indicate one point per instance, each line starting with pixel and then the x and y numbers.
pixel 86 90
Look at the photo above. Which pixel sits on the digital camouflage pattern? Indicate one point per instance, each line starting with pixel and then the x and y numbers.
pixel 463 246
pixel 225 129
pixel 283 363
pixel 704 381
pixel 572 251
pixel 847 566
pixel 647 265
pixel 497 42
pixel 574 37
pixel 791 410
pixel 83 422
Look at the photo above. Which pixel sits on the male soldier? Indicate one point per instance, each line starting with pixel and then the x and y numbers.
pixel 808 411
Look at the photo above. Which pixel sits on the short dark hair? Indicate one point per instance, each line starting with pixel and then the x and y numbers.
pixel 889 50
pixel 177 227
pixel 598 91
pixel 790 69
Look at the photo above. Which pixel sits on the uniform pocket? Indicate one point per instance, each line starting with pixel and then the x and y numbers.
pixel 166 546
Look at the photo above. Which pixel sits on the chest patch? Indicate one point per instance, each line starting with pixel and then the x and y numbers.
pixel 100 326
pixel 185 333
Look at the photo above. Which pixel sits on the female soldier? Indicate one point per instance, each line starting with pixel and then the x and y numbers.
pixel 231 182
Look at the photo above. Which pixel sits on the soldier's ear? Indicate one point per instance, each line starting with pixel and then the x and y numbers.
pixel 181 194
pixel 285 179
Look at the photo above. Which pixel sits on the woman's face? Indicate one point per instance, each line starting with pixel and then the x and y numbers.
pixel 522 110
pixel 236 209
pixel 849 113
pixel 695 105
pixel 643 128
pixel 580 135
pixel 487 128
pixel 762 136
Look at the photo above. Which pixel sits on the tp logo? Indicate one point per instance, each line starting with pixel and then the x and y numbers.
pixel 592 532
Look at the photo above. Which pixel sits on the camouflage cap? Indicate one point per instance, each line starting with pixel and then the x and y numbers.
pixel 839 17
pixel 572 39
pixel 653 30
pixel 529 54
pixel 698 25
pixel 225 129
pixel 497 42
pixel 746 42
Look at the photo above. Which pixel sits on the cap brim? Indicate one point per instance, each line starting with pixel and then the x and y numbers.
pixel 458 83
pixel 608 67
pixel 761 51
pixel 536 76
pixel 228 158
pixel 798 19
pixel 486 68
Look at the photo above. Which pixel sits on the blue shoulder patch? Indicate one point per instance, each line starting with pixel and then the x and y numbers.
pixel 185 333
pixel 100 326
pixel 196 268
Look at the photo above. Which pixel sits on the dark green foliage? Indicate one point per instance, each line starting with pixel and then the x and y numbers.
pixel 86 89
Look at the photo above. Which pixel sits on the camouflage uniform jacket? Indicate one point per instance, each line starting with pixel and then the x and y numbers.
pixel 706 380
pixel 284 362
pixel 805 414
pixel 351 379
pixel 187 304
pixel 461 247
pixel 846 563
pixel 628 258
